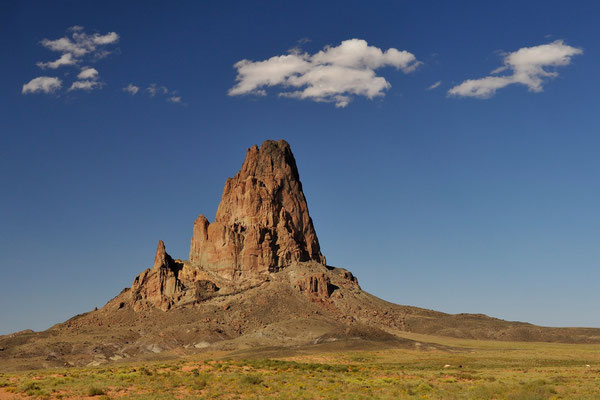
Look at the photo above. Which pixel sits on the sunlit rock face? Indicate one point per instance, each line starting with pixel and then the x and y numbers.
pixel 262 223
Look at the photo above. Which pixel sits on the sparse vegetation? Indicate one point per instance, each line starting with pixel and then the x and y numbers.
pixel 95 391
pixel 251 379
pixel 470 370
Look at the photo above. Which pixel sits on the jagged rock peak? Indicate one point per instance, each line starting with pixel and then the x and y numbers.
pixel 160 285
pixel 162 258
pixel 262 223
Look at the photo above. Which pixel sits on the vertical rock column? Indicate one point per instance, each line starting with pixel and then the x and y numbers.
pixel 262 223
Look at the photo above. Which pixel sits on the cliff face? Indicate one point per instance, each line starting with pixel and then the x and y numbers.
pixel 262 226
pixel 169 283
pixel 159 286
pixel 262 223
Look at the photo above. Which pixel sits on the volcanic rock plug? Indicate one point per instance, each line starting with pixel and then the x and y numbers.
pixel 262 226
pixel 262 223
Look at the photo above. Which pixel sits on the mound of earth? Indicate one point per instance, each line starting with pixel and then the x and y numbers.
pixel 255 279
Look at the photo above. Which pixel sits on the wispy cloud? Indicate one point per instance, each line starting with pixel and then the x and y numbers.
pixel 131 89
pixel 435 85
pixel 80 43
pixel 527 66
pixel 155 90
pixel 87 85
pixel 334 74
pixel 79 49
pixel 65 59
pixel 45 84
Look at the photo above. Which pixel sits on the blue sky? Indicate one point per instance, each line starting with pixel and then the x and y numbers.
pixel 459 198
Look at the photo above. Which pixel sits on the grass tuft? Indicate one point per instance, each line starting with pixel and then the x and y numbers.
pixel 252 379
pixel 95 391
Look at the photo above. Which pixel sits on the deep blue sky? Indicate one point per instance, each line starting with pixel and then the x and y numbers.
pixel 455 204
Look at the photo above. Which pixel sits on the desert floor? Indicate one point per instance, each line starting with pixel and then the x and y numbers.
pixel 459 369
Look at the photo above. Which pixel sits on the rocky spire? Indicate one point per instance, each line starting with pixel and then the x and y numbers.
pixel 262 223
pixel 160 285
pixel 162 258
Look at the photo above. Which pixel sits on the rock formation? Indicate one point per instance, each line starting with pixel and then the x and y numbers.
pixel 159 286
pixel 255 278
pixel 262 223
pixel 169 282
pixel 262 226
pixel 318 285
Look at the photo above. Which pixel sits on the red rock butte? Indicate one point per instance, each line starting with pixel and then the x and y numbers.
pixel 262 223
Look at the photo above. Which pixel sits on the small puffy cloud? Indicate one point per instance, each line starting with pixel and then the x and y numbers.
pixel 334 74
pixel 174 99
pixel 88 73
pixel 131 89
pixel 45 84
pixel 528 66
pixel 65 59
pixel 86 85
pixel 435 85
pixel 87 80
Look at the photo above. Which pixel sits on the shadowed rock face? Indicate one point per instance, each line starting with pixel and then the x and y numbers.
pixel 160 285
pixel 169 283
pixel 262 223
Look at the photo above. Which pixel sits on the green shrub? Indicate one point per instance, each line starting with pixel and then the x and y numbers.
pixel 95 391
pixel 251 379
pixel 199 382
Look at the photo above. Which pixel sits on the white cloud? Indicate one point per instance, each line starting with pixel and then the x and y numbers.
pixel 75 48
pixel 44 84
pixel 88 73
pixel 334 74
pixel 65 59
pixel 131 89
pixel 85 85
pixel 154 89
pixel 109 38
pixel 80 43
pixel 435 85
pixel 527 66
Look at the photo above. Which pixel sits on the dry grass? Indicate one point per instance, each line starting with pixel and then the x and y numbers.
pixel 473 370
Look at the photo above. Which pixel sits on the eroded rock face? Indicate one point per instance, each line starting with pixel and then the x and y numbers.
pixel 262 223
pixel 262 226
pixel 159 286
pixel 169 283
pixel 316 285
